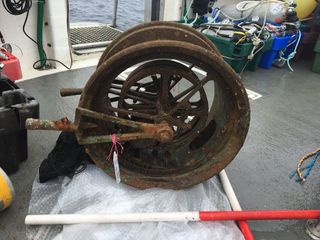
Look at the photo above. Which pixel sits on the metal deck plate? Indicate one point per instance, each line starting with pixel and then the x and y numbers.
pixel 92 36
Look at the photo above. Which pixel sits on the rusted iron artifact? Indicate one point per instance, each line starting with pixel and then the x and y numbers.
pixel 181 113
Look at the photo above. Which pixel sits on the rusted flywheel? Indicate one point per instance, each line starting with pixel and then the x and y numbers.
pixel 157 31
pixel 208 112
pixel 181 113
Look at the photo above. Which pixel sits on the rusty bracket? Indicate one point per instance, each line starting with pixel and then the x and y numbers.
pixel 161 132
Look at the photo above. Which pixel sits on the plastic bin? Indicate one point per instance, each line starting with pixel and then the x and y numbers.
pixel 236 54
pixel 317 46
pixel 15 107
pixel 11 66
pixel 316 63
pixel 279 43
pixel 253 65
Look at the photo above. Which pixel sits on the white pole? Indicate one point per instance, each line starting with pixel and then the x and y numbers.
pixel 235 205
pixel 111 218
pixel 115 11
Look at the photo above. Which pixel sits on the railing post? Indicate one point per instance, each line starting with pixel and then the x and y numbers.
pixel 115 10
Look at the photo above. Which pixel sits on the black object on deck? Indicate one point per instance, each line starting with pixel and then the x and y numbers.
pixel 15 107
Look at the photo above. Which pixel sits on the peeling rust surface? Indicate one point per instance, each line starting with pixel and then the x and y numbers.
pixel 199 149
pixel 63 124
pixel 158 31
pixel 178 127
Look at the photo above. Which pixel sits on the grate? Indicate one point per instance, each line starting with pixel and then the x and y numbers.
pixel 84 37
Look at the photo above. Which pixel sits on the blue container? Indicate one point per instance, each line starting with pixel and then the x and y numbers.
pixel 279 44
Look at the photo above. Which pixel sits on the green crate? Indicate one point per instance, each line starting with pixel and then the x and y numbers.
pixel 236 54
pixel 254 63
pixel 316 63
pixel 317 46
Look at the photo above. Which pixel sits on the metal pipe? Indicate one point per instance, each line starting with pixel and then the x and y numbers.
pixel 171 217
pixel 115 11
pixel 60 125
pixel 42 54
pixel 66 92
pixel 90 45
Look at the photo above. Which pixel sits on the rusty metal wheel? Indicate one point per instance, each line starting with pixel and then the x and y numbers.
pixel 163 83
pixel 210 119
pixel 157 31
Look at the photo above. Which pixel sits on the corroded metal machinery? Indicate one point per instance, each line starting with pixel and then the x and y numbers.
pixel 180 112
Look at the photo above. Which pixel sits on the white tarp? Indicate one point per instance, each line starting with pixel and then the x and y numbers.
pixel 92 191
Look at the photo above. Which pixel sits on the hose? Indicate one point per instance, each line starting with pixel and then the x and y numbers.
pixel 249 5
pixel 42 55
pixel 291 55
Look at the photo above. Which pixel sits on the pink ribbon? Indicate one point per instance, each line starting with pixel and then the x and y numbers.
pixel 115 147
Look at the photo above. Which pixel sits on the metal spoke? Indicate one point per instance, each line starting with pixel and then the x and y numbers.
pixel 190 112
pixel 147 95
pixel 137 98
pixel 129 112
pixel 175 82
pixel 164 87
pixel 187 98
pixel 185 92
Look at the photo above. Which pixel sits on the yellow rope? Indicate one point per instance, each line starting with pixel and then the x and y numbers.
pixel 302 161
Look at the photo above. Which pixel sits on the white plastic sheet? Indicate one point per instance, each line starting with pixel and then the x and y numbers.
pixel 92 191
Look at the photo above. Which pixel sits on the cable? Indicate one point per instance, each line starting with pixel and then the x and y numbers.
pixel 187 13
pixel 49 59
pixel 17 7
pixel 293 53
pixel 46 59
pixel 250 7
pixel 247 5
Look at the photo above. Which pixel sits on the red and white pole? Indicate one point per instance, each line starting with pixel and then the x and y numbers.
pixel 235 205
pixel 172 217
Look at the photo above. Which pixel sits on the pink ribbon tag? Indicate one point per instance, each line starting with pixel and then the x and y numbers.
pixel 114 153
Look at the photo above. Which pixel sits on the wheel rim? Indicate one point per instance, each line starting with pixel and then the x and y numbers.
pixel 229 110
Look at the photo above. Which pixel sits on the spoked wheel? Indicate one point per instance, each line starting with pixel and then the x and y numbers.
pixel 163 84
pixel 207 111
pixel 158 31
pixel 158 82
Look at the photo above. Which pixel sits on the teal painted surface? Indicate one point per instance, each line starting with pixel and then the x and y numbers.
pixel 1 205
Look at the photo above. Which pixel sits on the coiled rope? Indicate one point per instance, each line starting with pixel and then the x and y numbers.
pixel 303 172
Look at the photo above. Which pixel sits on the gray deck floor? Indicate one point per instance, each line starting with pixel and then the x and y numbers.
pixel 284 127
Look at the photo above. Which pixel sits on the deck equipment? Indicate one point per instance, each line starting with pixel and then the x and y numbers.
pixel 178 127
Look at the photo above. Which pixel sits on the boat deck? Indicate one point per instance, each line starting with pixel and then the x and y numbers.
pixel 284 127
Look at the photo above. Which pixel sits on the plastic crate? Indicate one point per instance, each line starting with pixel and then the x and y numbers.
pixel 317 46
pixel 11 66
pixel 15 107
pixel 236 54
pixel 316 63
pixel 253 65
pixel 279 43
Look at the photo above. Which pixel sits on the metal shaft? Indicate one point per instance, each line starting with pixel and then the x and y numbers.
pixel 66 92
pixel 60 125
pixel 115 11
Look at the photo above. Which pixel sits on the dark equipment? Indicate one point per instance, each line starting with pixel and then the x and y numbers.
pixel 178 127
pixel 16 106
